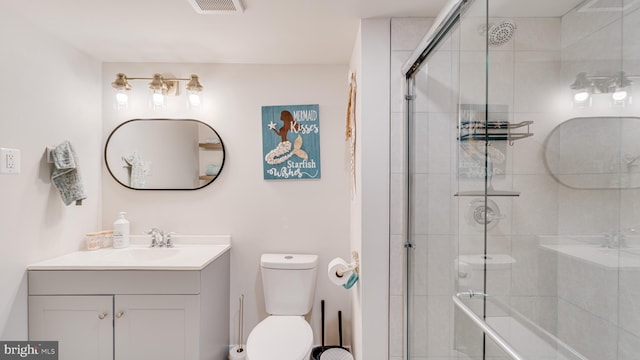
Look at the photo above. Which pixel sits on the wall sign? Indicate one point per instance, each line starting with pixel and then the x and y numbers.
pixel 291 142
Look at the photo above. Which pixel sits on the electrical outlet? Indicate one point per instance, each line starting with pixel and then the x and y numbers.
pixel 9 161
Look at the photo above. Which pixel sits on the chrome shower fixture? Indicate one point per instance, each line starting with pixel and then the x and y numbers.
pixel 499 33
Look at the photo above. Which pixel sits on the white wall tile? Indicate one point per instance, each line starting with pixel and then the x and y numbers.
pixel 396 265
pixel 439 93
pixel 419 337
pixel 396 202
pixel 440 266
pixel 419 204
pixel 440 327
pixel 537 34
pixel 572 219
pixel 420 269
pixel 396 325
pixel 536 84
pixel 441 142
pixel 420 141
pixel 398 145
pixel 535 211
pixel 440 197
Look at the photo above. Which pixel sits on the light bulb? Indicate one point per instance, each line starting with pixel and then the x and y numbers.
pixel 122 99
pixel 194 99
pixel 581 96
pixel 156 102
pixel 619 95
pixel 158 99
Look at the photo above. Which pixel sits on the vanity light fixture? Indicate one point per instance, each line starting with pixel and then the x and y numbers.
pixel 618 86
pixel 160 87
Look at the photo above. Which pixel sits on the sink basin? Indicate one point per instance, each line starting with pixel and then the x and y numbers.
pixel 143 254
pixel 194 255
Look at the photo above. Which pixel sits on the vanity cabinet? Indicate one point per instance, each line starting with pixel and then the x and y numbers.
pixel 133 315
pixel 82 325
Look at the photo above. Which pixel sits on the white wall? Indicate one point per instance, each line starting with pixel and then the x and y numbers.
pixel 370 207
pixel 50 93
pixel 296 216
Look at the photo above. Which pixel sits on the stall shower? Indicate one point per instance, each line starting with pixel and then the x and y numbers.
pixel 520 230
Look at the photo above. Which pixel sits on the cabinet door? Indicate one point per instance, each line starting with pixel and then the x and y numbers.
pixel 159 327
pixel 82 325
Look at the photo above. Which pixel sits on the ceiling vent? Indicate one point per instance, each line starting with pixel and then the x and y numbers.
pixel 217 6
pixel 607 5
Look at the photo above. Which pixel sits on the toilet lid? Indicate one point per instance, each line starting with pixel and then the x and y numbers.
pixel 280 337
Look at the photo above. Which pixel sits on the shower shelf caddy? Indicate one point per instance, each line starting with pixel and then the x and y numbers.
pixel 494 131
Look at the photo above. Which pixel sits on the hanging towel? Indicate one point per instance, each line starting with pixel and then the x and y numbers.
pixel 65 174
pixel 139 170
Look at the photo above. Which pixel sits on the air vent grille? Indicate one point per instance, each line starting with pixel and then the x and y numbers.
pixel 217 6
pixel 607 5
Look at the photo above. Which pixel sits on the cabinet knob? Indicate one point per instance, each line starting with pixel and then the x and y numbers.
pixel 102 315
pixel 119 314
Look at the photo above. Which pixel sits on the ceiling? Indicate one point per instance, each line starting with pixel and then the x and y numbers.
pixel 268 32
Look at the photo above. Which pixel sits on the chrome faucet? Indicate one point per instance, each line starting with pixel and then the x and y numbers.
pixel 612 240
pixel 157 237
pixel 617 238
pixel 168 239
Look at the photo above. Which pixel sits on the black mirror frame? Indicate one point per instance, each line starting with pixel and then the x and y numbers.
pixel 106 146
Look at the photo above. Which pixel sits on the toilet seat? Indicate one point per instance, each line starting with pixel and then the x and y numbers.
pixel 281 338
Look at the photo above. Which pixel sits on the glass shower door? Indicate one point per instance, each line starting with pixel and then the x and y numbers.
pixel 524 200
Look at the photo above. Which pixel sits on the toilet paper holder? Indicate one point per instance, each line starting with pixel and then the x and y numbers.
pixel 353 266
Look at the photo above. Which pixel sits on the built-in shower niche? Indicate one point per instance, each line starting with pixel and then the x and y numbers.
pixel 484 136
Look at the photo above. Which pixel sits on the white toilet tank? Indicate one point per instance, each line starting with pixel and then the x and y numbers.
pixel 289 282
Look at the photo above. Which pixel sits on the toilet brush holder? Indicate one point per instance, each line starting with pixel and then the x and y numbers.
pixel 238 352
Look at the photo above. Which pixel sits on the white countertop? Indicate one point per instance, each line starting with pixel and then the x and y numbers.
pixel 189 253
pixel 589 248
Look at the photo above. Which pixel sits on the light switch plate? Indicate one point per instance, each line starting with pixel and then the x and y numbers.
pixel 9 161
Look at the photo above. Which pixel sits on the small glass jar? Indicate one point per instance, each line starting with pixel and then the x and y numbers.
pixel 107 239
pixel 93 240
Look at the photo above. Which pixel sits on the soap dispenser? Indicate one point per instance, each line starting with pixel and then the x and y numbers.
pixel 121 232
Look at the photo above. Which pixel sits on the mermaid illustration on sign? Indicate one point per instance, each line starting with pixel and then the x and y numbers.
pixel 283 151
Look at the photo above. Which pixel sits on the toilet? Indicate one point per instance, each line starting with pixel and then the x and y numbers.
pixel 289 283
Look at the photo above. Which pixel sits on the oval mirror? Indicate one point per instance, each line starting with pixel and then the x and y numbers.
pixel 595 153
pixel 164 154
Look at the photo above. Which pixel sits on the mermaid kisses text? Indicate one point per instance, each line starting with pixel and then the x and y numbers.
pixel 291 142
